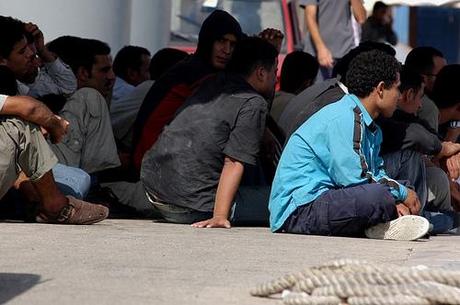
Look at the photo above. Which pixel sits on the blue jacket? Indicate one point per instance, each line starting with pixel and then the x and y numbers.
pixel 337 147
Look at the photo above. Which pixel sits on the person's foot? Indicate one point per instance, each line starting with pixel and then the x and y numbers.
pixel 76 212
pixel 409 227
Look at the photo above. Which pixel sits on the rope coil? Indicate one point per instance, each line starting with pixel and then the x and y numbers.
pixel 356 282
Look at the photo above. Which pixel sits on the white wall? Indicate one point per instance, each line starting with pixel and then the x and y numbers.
pixel 117 22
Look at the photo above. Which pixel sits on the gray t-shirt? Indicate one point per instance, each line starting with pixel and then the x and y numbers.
pixel 184 166
pixel 429 112
pixel 335 26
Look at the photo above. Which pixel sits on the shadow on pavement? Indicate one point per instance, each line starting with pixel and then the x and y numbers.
pixel 13 284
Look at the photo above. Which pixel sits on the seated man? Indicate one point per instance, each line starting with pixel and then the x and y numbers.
pixel 298 73
pixel 131 67
pixel 447 98
pixel 303 105
pixel 193 173
pixel 90 144
pixel 407 141
pixel 427 61
pixel 24 147
pixel 17 57
pixel 216 41
pixel 48 74
pixel 330 179
pixel 123 113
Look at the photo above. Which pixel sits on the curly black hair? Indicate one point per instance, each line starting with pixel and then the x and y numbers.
pixel 368 69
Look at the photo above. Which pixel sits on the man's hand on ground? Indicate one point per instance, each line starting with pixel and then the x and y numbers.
pixel 215 222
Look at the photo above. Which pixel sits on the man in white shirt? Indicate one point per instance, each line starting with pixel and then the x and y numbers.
pixel 47 74
pixel 131 67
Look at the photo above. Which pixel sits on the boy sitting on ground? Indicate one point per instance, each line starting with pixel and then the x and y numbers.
pixel 330 179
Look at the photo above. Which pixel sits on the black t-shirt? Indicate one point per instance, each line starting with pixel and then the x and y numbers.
pixel 184 166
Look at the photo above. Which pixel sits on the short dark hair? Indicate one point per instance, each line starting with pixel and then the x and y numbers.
pixel 129 57
pixel 410 80
pixel 92 48
pixel 343 64
pixel 250 53
pixel 445 89
pixel 67 48
pixel 420 59
pixel 368 69
pixel 379 5
pixel 78 52
pixel 163 60
pixel 12 31
pixel 8 84
pixel 298 67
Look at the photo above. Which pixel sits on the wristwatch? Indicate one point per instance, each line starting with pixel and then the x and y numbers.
pixel 454 124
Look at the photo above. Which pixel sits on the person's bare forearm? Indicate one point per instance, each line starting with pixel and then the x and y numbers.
pixel 312 26
pixel 358 11
pixel 228 186
pixel 28 109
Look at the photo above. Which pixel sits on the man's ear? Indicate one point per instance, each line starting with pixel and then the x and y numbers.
pixel 410 94
pixel 3 61
pixel 260 73
pixel 82 74
pixel 380 89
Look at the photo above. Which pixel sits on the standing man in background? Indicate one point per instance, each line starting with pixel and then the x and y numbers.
pixel 330 31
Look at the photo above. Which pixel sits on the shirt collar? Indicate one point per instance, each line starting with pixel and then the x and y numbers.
pixel 366 116
pixel 343 87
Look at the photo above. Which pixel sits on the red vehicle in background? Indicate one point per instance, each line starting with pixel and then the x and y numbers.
pixel 253 16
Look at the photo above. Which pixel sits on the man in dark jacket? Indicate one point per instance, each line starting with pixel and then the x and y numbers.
pixel 407 140
pixel 216 41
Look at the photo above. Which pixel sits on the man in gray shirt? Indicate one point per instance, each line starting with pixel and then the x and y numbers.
pixel 192 174
pixel 330 32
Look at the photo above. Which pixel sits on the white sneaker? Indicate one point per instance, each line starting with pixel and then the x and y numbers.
pixel 409 227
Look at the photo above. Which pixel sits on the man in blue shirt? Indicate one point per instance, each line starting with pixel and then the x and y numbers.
pixel 330 179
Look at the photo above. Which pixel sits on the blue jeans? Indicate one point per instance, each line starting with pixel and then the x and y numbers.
pixel 250 208
pixel 71 180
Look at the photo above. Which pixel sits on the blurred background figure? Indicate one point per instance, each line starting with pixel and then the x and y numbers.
pixel 379 26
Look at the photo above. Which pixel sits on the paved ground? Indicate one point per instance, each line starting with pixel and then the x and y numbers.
pixel 140 262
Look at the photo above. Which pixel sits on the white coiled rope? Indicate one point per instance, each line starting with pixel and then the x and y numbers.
pixel 355 282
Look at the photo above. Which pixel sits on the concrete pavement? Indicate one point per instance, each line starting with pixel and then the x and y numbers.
pixel 141 262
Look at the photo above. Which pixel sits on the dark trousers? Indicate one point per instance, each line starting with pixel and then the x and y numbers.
pixel 344 212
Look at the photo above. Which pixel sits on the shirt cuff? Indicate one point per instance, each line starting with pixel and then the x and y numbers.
pixel 2 100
